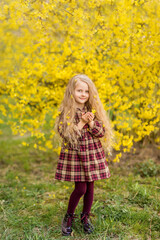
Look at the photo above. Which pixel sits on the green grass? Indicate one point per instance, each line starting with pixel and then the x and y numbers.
pixel 33 203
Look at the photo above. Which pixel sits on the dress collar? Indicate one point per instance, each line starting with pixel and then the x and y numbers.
pixel 84 109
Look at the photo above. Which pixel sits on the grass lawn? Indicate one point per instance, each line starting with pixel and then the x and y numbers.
pixel 33 203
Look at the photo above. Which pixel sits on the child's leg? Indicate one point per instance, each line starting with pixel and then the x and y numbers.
pixel 79 191
pixel 88 197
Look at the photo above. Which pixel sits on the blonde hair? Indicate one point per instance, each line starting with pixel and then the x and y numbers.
pixel 68 107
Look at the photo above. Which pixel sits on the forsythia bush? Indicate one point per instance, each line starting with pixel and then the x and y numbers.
pixel 116 43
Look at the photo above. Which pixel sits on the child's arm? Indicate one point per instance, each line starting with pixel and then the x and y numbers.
pixel 81 124
pixel 96 128
pixel 83 121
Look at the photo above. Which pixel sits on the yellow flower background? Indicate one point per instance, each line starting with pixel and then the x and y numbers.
pixel 116 43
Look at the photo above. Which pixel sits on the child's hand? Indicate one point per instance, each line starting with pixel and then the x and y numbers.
pixel 85 117
pixel 88 117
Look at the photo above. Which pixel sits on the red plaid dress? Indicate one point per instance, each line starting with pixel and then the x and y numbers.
pixel 87 162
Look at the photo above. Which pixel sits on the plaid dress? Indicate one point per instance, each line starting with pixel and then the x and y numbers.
pixel 87 162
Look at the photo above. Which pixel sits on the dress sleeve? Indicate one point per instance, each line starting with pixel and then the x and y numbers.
pixel 98 130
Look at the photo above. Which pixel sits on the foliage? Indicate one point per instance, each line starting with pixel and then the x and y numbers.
pixel 147 169
pixel 32 204
pixel 116 43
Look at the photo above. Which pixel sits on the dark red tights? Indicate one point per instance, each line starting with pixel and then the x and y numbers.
pixel 81 188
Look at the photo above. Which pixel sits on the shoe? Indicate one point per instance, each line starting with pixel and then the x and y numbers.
pixel 67 224
pixel 87 226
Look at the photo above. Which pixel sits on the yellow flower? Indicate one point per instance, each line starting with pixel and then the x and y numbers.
pixel 35 145
pixel 48 144
pixel 25 144
pixel 68 123
pixel 93 111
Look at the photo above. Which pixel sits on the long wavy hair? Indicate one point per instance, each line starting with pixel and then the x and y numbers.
pixel 67 111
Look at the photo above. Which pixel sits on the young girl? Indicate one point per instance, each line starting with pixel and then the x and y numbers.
pixel 81 122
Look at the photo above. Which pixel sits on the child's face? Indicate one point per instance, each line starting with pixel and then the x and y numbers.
pixel 81 93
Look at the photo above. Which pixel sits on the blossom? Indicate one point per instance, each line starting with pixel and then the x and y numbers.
pixel 93 111
pixel 124 69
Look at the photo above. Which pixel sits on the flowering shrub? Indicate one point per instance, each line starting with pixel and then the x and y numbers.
pixel 116 43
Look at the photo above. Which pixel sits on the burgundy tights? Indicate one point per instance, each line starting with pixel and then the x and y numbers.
pixel 81 188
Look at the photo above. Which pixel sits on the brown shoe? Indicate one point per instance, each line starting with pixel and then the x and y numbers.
pixel 87 226
pixel 67 224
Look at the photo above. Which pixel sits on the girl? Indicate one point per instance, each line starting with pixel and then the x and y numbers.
pixel 81 122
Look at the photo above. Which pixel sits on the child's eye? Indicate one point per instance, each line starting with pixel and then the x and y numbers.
pixel 80 90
